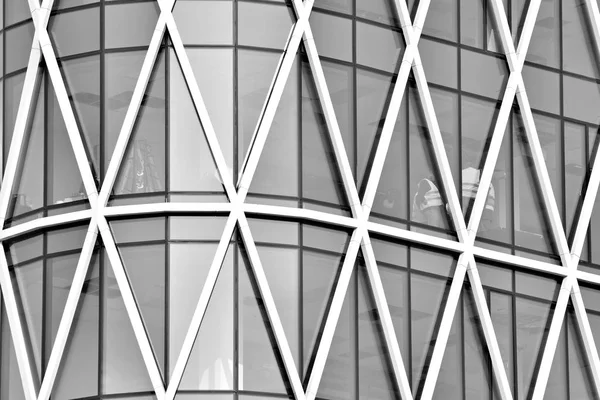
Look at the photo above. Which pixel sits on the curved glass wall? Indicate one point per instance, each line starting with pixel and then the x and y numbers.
pixel 345 265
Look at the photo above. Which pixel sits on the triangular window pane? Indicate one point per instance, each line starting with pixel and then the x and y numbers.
pixel 143 165
pixel 501 312
pixel 123 367
pixel 581 384
pixel 557 387
pixel 145 267
pixel 187 276
pixel 10 378
pixel 545 41
pixel 78 372
pixel 532 226
pixel 192 167
pixel 260 367
pixel 82 78
pixel 578 40
pixel 375 373
pixel 449 384
pixel 28 189
pixel 211 363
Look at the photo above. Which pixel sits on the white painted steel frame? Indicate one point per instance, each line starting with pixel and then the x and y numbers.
pixel 237 210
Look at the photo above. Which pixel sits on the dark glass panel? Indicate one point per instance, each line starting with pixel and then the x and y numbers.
pixel 143 166
pixel 122 71
pixel 282 270
pixel 10 378
pixel 578 43
pixel 580 99
pixel 501 311
pixel 263 25
pixel 196 228
pixel 382 11
pixel 257 347
pixel 581 385
pixel 28 284
pixel 442 20
pixel 145 267
pixel 443 73
pixel 391 198
pixel 130 24
pixel 339 375
pixel 375 374
pixel 427 295
pixel 576 171
pixel 545 41
pixel 82 77
pixel 64 179
pixel 378 47
pixel 213 69
pixel 211 363
pixel 543 89
pixel 204 22
pixel 13 88
pixel 28 189
pixel 321 176
pixel 76 32
pixel 532 229
pixel 277 172
pixel 333 35
pixel 78 375
pixel 138 230
pixel 477 368
pixel 319 274
pixel 123 368
pixel 372 91
pixel 191 168
pixel 532 324
pixel 483 74
pixel 255 73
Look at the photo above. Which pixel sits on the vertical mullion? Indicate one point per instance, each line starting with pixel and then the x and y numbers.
pixel 101 319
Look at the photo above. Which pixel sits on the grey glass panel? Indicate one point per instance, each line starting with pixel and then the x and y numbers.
pixel 543 89
pixel 255 73
pixel 204 22
pixel 211 396
pixel 375 376
pixel 427 295
pixel 28 286
pixel 59 277
pixel 344 6
pixel 143 166
pixel 65 239
pixel 431 261
pixel 557 387
pixel 395 285
pixel 325 239
pixel 209 366
pixel 16 11
pixel 580 369
pixel 191 167
pixel 261 370
pixel 282 271
pixel 145 266
pixel 378 47
pixel 13 88
pixel 536 286
pixel 123 369
pixel 122 71
pixel 377 10
pixel 472 23
pixel 10 378
pixel 578 43
pixel 438 71
pixel 18 45
pixel 61 4
pixel 263 25
pixel 28 189
pixel 76 32
pixel 372 92
pixel 482 74
pixel 82 77
pixel 532 326
pixel 390 252
pixel 333 35
pixel 449 384
pixel 196 228
pixel 446 108
pixel 277 171
pixel 545 41
pixel 576 171
pixel 580 99
pixel 24 250
pixel 78 375
pixel 497 277
pixel 64 179
pixel 501 311
pixel 442 20
pixel 213 69
pixel 274 231
pixel 477 372
pixel 129 25
pixel 138 230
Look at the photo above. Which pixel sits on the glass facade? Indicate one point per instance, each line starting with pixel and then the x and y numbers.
pixel 328 199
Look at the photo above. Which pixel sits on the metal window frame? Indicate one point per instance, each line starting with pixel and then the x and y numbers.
pixel 237 210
